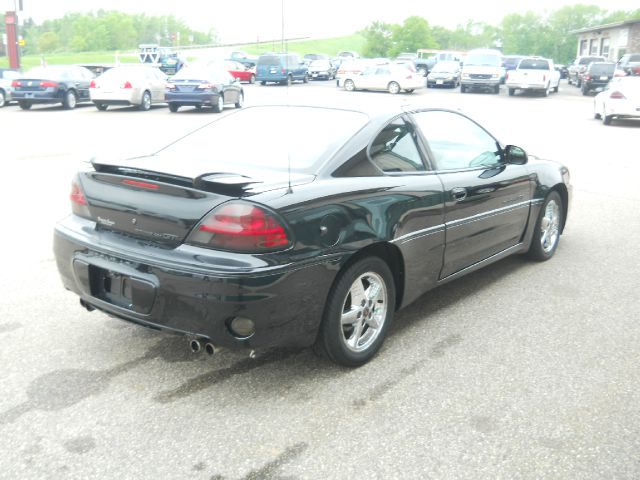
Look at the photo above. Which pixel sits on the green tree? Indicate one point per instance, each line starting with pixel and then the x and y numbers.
pixel 48 42
pixel 413 34
pixel 378 41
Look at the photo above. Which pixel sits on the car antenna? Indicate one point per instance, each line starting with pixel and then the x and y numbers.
pixel 285 48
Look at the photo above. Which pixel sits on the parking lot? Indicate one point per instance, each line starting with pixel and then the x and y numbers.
pixel 520 370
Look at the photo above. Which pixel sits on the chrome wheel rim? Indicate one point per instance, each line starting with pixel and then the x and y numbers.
pixel 364 312
pixel 146 101
pixel 394 88
pixel 550 226
pixel 220 103
pixel 348 85
pixel 2 99
pixel 240 100
pixel 71 100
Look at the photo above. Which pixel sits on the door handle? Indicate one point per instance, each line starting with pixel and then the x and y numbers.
pixel 459 193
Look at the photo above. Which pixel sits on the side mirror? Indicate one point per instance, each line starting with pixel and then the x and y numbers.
pixel 515 155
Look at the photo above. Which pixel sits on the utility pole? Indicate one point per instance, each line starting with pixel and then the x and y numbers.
pixel 282 25
pixel 13 34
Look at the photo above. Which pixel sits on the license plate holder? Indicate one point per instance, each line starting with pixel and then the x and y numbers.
pixel 439 82
pixel 122 290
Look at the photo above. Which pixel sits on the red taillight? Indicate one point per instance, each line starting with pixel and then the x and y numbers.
pixel 617 95
pixel 93 84
pixel 48 84
pixel 206 86
pixel 170 86
pixel 126 84
pixel 544 78
pixel 587 77
pixel 283 71
pixel 241 227
pixel 506 77
pixel 136 183
pixel 16 83
pixel 79 204
pixel 409 77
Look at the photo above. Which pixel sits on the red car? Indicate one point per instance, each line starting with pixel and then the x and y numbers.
pixel 239 71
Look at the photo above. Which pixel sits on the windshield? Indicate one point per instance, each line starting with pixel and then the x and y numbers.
pixel 279 135
pixel 320 64
pixel 201 72
pixel 534 64
pixel 484 60
pixel 445 67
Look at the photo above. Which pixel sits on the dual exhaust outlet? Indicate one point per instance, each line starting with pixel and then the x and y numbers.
pixel 197 346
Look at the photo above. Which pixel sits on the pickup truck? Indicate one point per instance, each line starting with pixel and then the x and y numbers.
pixel 630 63
pixel 533 74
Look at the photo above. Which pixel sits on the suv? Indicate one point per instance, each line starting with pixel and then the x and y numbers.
pixel 630 63
pixel 577 68
pixel 482 69
pixel 281 68
pixel 597 75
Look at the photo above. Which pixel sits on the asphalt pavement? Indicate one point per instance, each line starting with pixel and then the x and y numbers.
pixel 519 371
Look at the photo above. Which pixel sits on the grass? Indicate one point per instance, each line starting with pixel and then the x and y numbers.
pixel 330 46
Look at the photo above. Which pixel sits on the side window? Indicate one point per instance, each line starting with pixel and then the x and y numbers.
pixel 456 141
pixel 395 150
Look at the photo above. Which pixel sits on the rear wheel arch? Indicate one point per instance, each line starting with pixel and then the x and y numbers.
pixel 392 256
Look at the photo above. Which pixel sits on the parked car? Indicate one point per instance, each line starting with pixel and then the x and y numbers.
pixel 355 67
pixel 64 84
pixel 241 72
pixel 310 57
pixel 510 62
pixel 564 71
pixel 579 65
pixel 596 76
pixel 620 99
pixel 203 85
pixel 533 74
pixel 482 69
pixel 318 245
pixel 349 55
pixel 321 69
pixel 137 85
pixel 392 78
pixel 7 76
pixel 283 68
pixel 244 58
pixel 630 63
pixel 446 74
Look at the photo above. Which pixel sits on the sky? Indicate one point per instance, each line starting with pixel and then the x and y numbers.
pixel 249 20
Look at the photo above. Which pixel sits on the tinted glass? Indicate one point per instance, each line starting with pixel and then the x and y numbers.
pixel 269 60
pixel 51 72
pixel 534 64
pixel 196 73
pixel 278 134
pixel 486 60
pixel 602 68
pixel 457 142
pixel 446 67
pixel 395 150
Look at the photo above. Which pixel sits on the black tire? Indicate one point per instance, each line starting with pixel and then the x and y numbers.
pixel 546 233
pixel 556 88
pixel 305 79
pixel 24 105
pixel 409 90
pixel 349 85
pixel 145 103
pixel 496 89
pixel 606 119
pixel 70 100
pixel 101 106
pixel 584 90
pixel 252 79
pixel 173 107
pixel 3 98
pixel 289 81
pixel 240 102
pixel 334 334
pixel 511 91
pixel 219 106
pixel 463 89
pixel 393 88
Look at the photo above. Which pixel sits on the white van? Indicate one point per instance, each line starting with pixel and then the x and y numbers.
pixel 482 69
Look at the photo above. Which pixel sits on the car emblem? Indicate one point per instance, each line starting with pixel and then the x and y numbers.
pixel 29 84
pixel 134 221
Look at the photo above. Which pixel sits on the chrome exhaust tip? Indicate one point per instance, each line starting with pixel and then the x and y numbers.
pixel 195 346
pixel 210 349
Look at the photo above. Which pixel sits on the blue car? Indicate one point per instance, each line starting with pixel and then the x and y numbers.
pixel 284 68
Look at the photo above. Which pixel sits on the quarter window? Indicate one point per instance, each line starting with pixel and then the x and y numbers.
pixel 395 150
pixel 456 142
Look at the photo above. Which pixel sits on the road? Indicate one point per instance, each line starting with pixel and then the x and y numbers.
pixel 521 370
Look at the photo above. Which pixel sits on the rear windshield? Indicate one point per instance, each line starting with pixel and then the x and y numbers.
pixel 634 58
pixel 51 72
pixel 124 72
pixel 602 68
pixel 588 60
pixel 445 67
pixel 271 137
pixel 534 64
pixel 270 60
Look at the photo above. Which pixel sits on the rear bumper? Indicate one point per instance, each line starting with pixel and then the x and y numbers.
pixel 38 97
pixel 199 298
pixel 192 99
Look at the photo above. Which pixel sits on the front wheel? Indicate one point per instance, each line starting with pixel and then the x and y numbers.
pixel 24 105
pixel 349 85
pixel 252 79
pixel 70 100
pixel 393 88
pixel 3 98
pixel 496 89
pixel 511 91
pixel 546 233
pixel 305 79
pixel 173 107
pixel 358 313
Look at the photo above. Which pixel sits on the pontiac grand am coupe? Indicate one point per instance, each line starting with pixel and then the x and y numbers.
pixel 294 242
